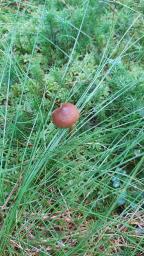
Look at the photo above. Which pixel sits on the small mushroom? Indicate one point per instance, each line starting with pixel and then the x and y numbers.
pixel 65 116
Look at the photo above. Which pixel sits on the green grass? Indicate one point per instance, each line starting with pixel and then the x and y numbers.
pixel 80 193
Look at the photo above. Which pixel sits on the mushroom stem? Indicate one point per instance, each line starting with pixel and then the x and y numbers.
pixel 71 129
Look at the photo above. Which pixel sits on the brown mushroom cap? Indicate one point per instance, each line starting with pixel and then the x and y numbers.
pixel 65 116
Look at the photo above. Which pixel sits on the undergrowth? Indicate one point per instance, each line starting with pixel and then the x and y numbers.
pixel 79 193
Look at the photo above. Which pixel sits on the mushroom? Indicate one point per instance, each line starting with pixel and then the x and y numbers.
pixel 65 116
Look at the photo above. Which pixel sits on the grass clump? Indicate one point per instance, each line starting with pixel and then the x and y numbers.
pixel 77 194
